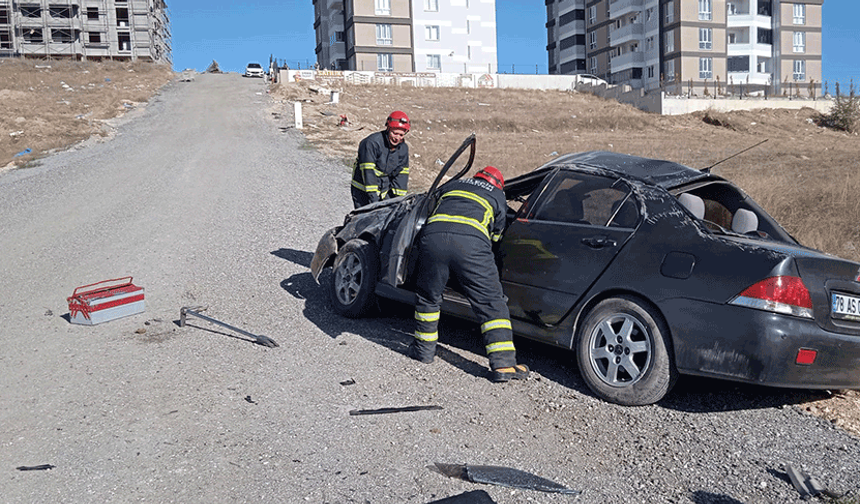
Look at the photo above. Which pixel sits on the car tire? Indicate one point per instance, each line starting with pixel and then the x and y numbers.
pixel 624 353
pixel 353 278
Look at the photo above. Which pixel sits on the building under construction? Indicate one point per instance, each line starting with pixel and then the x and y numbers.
pixel 86 29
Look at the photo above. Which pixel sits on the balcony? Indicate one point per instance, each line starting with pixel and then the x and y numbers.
pixel 755 78
pixel 627 33
pixel 619 8
pixel 571 28
pixel 740 49
pixel 335 4
pixel 627 60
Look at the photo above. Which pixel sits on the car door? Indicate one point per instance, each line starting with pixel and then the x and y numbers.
pixel 558 246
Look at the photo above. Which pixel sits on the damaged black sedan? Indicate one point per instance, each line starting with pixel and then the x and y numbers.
pixel 646 269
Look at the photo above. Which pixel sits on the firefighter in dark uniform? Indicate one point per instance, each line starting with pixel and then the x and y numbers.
pixel 457 239
pixel 382 167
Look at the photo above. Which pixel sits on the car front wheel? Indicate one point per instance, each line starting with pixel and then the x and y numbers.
pixel 624 353
pixel 353 278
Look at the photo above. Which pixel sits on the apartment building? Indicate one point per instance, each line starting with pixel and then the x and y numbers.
pixel 683 45
pixel 86 29
pixel 406 35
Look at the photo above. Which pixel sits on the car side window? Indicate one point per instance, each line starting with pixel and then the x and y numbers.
pixel 576 198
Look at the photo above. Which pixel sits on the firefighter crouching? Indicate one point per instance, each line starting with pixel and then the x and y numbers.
pixel 382 167
pixel 457 239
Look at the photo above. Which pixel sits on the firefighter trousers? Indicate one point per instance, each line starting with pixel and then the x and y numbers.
pixel 470 259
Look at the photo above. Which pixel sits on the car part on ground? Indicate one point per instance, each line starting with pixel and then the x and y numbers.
pixel 502 476
pixel 385 411
pixel 195 311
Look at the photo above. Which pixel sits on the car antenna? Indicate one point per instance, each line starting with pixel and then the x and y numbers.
pixel 708 169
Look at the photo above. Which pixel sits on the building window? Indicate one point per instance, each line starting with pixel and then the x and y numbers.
pixel 649 43
pixel 648 13
pixel 592 14
pixel 593 68
pixel 468 27
pixel 592 40
pixel 706 66
pixel 799 42
pixel 95 37
pixel 670 41
pixel 799 70
pixel 93 13
pixel 670 70
pixel 706 12
pixel 338 36
pixel 738 63
pixel 431 32
pixel 706 38
pixel 650 72
pixel 383 34
pixel 33 36
pixel 434 62
pixel 799 13
pixel 383 7
pixel 383 63
pixel 670 12
pixel 431 5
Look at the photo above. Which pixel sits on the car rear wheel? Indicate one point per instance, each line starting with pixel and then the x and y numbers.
pixel 624 353
pixel 353 278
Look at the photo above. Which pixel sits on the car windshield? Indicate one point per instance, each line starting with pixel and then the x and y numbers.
pixel 254 65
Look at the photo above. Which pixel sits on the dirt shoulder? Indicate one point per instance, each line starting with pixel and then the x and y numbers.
pixel 51 105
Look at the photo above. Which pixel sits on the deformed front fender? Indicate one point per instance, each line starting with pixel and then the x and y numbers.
pixel 326 250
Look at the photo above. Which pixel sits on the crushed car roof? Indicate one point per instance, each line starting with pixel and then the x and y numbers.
pixel 666 174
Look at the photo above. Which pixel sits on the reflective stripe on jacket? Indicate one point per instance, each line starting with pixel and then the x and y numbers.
pixel 469 206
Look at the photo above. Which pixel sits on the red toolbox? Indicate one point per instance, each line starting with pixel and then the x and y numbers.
pixel 106 300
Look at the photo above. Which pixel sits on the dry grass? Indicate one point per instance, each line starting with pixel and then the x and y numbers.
pixel 49 105
pixel 805 176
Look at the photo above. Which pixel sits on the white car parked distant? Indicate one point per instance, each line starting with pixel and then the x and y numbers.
pixel 254 70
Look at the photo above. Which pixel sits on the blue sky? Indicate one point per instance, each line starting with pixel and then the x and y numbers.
pixel 234 33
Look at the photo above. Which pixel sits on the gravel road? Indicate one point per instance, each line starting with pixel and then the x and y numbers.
pixel 207 197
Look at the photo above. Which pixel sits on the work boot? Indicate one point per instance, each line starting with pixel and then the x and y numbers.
pixel 422 351
pixel 515 372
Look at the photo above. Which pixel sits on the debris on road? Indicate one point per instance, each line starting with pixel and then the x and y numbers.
pixel 473 497
pixel 348 382
pixel 194 310
pixel 383 411
pixel 502 476
pixel 42 467
pixel 807 485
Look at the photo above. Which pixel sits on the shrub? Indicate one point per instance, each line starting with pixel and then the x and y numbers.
pixel 844 115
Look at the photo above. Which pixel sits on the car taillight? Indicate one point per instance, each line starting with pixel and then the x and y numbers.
pixel 782 294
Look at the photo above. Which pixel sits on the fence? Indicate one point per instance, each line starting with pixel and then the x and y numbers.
pixel 656 101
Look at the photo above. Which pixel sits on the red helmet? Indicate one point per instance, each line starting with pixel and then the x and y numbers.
pixel 492 175
pixel 397 119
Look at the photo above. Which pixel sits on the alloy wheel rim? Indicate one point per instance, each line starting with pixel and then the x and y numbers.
pixel 347 279
pixel 620 350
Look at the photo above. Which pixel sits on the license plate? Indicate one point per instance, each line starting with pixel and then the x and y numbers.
pixel 845 307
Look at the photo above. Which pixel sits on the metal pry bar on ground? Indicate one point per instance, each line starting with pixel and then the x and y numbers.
pixel 195 311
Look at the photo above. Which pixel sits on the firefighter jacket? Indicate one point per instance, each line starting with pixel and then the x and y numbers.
pixel 379 170
pixel 469 207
